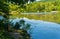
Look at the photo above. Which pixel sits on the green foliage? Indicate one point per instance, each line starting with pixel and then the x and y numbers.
pixel 41 7
pixel 6 26
pixel 17 26
pixel 21 25
pixel 4 9
pixel 22 22
pixel 25 35
pixel 5 35
pixel 20 1
pixel 24 26
pixel 35 7
pixel 13 7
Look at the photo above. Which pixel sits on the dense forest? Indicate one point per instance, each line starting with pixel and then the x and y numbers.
pixel 37 7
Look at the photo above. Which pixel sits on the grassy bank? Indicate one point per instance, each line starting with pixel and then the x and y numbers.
pixel 45 17
pixel 52 17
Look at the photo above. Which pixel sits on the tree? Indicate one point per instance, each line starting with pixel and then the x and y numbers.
pixel 24 26
pixel 21 25
pixel 17 26
pixel 4 10
pixel 20 1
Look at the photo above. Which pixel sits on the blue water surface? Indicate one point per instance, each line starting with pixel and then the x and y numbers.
pixel 44 30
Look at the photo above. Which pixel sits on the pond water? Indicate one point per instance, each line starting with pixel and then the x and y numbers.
pixel 43 30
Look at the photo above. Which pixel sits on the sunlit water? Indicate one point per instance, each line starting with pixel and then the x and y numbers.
pixel 43 30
